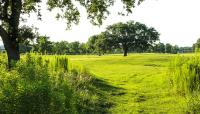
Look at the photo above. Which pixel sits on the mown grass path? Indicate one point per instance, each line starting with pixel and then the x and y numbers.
pixel 141 80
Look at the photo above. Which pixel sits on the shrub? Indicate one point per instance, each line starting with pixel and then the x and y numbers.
pixel 46 85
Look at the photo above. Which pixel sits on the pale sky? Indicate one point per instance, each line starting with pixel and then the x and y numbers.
pixel 178 22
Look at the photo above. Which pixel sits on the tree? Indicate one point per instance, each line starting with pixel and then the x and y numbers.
pixel 26 35
pixel 12 13
pixel 175 49
pixel 25 47
pixel 196 46
pixel 168 48
pixel 83 48
pixel 90 43
pixel 99 43
pixel 186 49
pixel 74 47
pixel 132 34
pixel 44 45
pixel 60 47
pixel 160 48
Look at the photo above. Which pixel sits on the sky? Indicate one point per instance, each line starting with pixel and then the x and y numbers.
pixel 178 22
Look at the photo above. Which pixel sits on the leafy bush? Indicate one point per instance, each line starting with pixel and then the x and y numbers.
pixel 46 85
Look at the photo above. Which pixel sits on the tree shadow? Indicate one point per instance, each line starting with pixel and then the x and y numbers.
pixel 105 86
pixel 104 91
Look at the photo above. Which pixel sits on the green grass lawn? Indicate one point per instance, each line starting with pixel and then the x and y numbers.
pixel 138 83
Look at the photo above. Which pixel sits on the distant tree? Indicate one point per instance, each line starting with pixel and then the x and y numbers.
pixel 132 34
pixel 83 48
pixel 186 49
pixel 99 46
pixel 60 48
pixel 25 47
pixel 197 45
pixel 175 49
pixel 43 45
pixel 160 48
pixel 168 48
pixel 74 47
pixel 26 35
pixel 91 43
pixel 194 47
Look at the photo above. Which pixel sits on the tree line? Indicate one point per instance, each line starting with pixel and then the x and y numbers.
pixel 120 36
pixel 117 38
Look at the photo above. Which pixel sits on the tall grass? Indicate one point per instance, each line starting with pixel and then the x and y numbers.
pixel 46 85
pixel 185 80
pixel 185 74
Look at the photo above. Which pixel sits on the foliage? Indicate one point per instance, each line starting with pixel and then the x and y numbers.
pixel 168 48
pixel 132 34
pixel 60 48
pixel 186 49
pixel 99 44
pixel 44 45
pixel 44 84
pixel 185 80
pixel 196 46
pixel 160 48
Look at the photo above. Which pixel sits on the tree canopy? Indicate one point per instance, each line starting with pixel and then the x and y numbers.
pixel 132 34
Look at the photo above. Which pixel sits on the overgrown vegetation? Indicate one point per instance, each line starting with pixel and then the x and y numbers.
pixel 185 80
pixel 47 85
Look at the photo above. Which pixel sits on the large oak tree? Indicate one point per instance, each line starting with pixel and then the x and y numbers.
pixel 132 35
pixel 12 11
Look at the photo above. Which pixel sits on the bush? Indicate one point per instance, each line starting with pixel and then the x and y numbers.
pixel 45 85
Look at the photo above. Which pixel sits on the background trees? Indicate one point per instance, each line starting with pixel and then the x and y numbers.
pixel 160 48
pixel 196 46
pixel 60 48
pixel 43 45
pixel 99 44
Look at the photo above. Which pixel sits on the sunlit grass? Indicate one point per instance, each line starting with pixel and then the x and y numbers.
pixel 141 80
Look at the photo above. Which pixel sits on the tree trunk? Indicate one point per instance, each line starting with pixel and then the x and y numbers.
pixel 11 47
pixel 125 48
pixel 125 52
pixel 12 53
pixel 99 53
pixel 9 34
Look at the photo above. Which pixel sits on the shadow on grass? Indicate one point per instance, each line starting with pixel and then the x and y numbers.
pixel 104 91
pixel 104 86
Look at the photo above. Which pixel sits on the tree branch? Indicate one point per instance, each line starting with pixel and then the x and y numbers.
pixel 5 11
pixel 3 32
pixel 4 36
